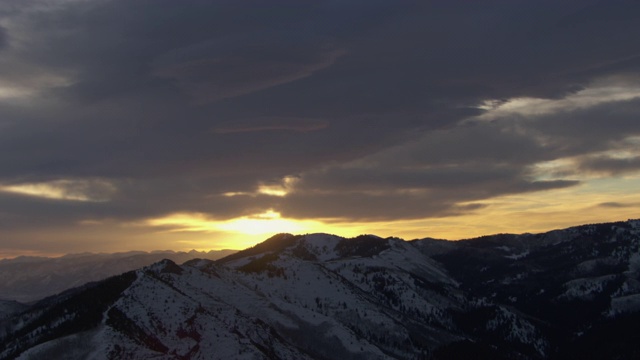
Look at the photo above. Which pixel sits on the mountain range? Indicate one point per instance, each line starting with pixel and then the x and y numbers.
pixel 30 278
pixel 564 294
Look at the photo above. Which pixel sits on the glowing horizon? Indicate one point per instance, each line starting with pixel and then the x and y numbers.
pixel 535 212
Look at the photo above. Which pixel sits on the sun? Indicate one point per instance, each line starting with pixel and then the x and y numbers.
pixel 267 223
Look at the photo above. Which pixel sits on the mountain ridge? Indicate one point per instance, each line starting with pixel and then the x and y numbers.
pixel 27 279
pixel 564 294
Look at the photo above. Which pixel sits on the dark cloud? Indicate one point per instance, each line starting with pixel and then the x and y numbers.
pixel 372 105
pixel 614 205
pixel 371 207
pixel 611 166
pixel 393 205
pixel 424 179
pixel 271 124
pixel 3 38
pixel 211 77
pixel 20 211
pixel 596 128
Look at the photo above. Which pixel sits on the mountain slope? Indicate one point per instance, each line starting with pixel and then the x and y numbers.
pixel 9 307
pixel 574 282
pixel 563 294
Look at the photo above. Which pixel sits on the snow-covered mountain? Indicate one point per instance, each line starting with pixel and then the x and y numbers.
pixel 29 278
pixel 566 294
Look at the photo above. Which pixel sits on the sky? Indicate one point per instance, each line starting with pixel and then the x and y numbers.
pixel 162 124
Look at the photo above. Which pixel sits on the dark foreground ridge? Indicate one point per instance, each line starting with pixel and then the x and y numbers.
pixel 564 294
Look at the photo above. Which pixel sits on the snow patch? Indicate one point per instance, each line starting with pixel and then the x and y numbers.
pixel 323 246
pixel 518 256
pixel 585 288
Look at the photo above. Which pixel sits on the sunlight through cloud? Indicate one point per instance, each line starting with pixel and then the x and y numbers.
pixel 266 223
pixel 72 190
pixel 599 93
pixel 278 189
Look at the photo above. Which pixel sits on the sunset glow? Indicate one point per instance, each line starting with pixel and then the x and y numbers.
pixel 265 224
pixel 314 117
pixel 268 223
pixel 64 190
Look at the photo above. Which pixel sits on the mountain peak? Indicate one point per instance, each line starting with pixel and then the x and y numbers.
pixel 310 247
pixel 318 246
pixel 165 266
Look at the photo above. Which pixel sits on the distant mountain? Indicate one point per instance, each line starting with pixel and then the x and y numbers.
pixel 9 307
pixel 29 278
pixel 565 294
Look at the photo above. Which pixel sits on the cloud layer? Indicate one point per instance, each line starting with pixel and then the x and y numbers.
pixel 378 110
